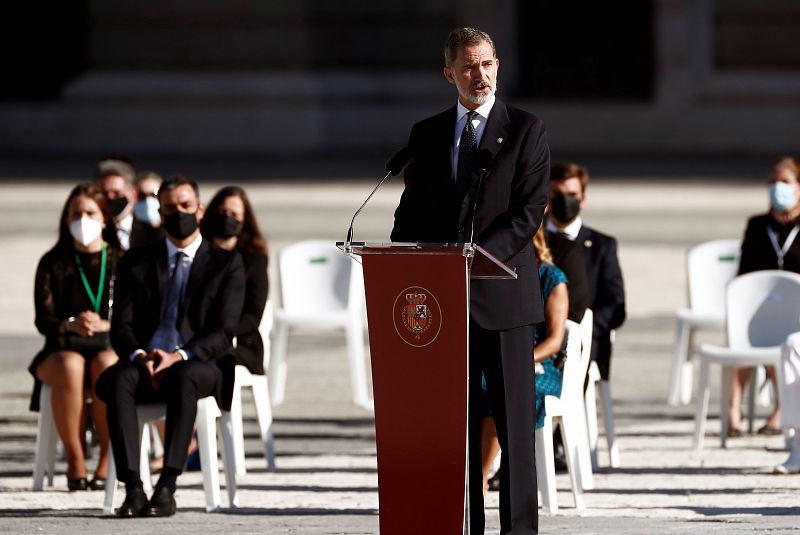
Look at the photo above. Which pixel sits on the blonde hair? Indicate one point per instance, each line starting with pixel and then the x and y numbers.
pixel 543 254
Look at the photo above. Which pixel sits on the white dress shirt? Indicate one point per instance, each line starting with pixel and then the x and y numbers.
pixel 478 121
pixel 570 231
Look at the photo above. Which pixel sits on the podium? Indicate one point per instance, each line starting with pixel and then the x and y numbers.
pixel 418 310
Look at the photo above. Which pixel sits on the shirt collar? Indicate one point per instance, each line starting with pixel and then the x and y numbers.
pixel 190 250
pixel 482 110
pixel 570 231
pixel 126 223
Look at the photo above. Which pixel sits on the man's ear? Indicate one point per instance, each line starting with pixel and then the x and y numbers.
pixel 448 74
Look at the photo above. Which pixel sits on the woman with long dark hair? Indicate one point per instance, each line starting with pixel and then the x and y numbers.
pixel 230 223
pixel 73 294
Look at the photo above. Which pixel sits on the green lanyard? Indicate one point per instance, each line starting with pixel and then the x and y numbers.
pixel 95 299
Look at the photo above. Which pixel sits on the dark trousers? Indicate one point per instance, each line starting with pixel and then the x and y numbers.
pixel 506 360
pixel 124 385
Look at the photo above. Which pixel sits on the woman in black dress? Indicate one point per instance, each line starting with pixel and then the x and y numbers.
pixel 73 292
pixel 231 224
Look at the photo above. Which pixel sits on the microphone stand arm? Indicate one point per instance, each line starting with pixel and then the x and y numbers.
pixel 347 247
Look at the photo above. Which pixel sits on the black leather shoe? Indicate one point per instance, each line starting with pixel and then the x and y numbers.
pixel 77 483
pixel 162 503
pixel 134 505
pixel 97 483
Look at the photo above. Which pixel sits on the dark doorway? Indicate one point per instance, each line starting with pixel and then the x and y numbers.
pixel 585 49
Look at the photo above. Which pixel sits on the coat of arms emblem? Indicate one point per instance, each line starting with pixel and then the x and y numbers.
pixel 417 316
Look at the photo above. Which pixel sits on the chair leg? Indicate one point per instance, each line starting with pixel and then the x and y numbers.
pixel 573 465
pixel 46 441
pixel 582 440
pixel 278 366
pixel 144 456
pixel 608 420
pixel 207 442
pixel 264 413
pixel 237 430
pixel 679 360
pixel 155 440
pixel 111 483
pixel 358 369
pixel 546 467
pixel 726 376
pixel 701 411
pixel 228 455
pixel 590 400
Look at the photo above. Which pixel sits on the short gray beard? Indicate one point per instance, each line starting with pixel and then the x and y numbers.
pixel 481 99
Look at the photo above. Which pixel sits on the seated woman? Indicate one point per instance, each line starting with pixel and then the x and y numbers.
pixel 231 224
pixel 770 243
pixel 790 395
pixel 548 339
pixel 73 292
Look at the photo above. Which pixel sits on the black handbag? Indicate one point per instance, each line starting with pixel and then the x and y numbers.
pixel 98 341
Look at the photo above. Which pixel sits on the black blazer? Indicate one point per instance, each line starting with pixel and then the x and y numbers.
pixel 249 350
pixel 212 303
pixel 568 256
pixel 510 206
pixel 757 251
pixel 606 291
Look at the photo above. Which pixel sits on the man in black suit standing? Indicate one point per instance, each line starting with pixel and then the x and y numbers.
pixel 568 183
pixel 441 188
pixel 177 303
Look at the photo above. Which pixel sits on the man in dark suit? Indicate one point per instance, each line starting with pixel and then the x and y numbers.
pixel 441 188
pixel 568 257
pixel 177 304
pixel 568 183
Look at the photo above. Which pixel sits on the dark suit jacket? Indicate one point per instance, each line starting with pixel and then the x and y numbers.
pixel 757 251
pixel 607 292
pixel 510 206
pixel 212 303
pixel 249 350
pixel 568 256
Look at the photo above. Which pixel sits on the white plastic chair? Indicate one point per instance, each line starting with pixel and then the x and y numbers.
pixel 763 308
pixel 259 386
pixel 207 414
pixel 46 441
pixel 596 382
pixel 566 411
pixel 710 267
pixel 320 289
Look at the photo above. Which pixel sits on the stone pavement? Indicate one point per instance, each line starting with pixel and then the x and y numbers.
pixel 327 482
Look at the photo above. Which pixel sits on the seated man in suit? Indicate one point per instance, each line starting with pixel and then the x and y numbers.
pixel 568 183
pixel 178 302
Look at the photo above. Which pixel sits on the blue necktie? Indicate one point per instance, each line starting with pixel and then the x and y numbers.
pixel 168 336
pixel 466 150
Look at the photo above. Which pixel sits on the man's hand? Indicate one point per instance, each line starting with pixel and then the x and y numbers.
pixel 164 360
pixel 147 363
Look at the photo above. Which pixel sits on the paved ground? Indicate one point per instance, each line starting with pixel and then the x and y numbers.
pixel 327 482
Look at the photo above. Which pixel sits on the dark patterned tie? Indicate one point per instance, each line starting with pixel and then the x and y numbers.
pixel 466 150
pixel 168 336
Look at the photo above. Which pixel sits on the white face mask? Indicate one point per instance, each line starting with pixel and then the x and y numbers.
pixel 85 230
pixel 146 210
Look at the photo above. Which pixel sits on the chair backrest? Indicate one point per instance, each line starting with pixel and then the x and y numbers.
pixel 763 308
pixel 315 278
pixel 265 330
pixel 572 381
pixel 586 328
pixel 711 266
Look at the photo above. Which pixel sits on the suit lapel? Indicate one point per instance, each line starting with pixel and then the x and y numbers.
pixel 196 275
pixel 448 129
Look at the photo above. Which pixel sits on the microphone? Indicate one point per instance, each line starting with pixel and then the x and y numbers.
pixel 396 164
pixel 482 164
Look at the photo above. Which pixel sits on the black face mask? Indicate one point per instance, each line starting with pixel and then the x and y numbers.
pixel 116 206
pixel 225 226
pixel 565 207
pixel 180 225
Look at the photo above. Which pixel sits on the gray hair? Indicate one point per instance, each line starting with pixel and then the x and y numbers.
pixel 459 37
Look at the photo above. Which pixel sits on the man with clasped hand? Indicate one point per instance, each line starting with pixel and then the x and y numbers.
pixel 178 302
pixel 441 188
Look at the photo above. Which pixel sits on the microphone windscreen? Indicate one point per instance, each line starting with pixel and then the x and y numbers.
pixel 399 161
